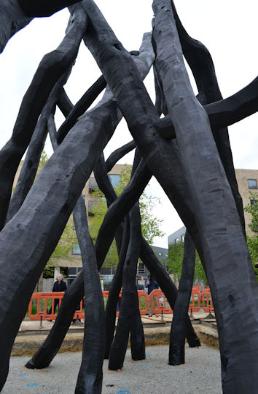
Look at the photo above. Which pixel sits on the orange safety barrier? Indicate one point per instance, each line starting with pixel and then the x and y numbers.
pixel 105 297
pixel 207 303
pixel 158 303
pixel 44 306
pixel 143 302
pixel 195 301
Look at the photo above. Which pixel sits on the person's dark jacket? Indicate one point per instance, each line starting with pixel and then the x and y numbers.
pixel 59 286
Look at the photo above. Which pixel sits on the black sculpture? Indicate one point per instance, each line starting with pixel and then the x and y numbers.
pixel 184 150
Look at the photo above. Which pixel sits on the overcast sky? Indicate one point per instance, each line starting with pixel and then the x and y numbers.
pixel 228 28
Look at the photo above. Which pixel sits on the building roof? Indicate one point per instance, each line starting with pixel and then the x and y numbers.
pixel 177 236
pixel 161 253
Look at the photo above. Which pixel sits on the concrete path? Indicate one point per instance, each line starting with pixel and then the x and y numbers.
pixel 200 375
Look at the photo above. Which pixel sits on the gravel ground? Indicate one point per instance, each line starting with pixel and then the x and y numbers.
pixel 201 374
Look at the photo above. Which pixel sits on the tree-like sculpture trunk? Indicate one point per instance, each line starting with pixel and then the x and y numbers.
pixel 189 153
pixel 108 113
pixel 179 326
pixel 50 347
pixel 136 329
pixel 222 240
pixel 201 64
pixel 33 155
pixel 115 215
pixel 90 375
pixel 129 314
pixel 46 210
pixel 80 108
pixel 167 286
pixel 41 8
pixel 227 234
pixel 113 296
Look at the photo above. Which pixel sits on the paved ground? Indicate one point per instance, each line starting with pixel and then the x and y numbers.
pixel 200 375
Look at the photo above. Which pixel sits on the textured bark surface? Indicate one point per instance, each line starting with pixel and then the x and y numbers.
pixel 223 243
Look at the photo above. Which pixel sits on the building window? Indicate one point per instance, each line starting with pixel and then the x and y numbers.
pixel 76 251
pixel 114 179
pixel 252 183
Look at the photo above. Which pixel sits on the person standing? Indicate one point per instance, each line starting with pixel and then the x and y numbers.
pixel 59 286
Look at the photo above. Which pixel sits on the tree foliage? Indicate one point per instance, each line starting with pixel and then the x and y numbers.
pixel 252 208
pixel 252 241
pixel 68 238
pixel 150 223
pixel 98 212
pixel 175 259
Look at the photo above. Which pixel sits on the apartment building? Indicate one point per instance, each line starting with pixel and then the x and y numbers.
pixel 248 187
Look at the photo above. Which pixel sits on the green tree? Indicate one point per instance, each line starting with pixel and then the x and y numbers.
pixel 96 217
pixel 252 208
pixel 175 258
pixel 252 240
pixel 150 224
pixel 68 238
pixel 43 161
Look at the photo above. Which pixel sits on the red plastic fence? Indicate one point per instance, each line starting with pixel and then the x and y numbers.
pixel 44 306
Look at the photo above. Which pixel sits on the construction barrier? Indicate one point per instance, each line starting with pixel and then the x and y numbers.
pixel 195 301
pixel 158 303
pixel 143 302
pixel 44 306
pixel 207 303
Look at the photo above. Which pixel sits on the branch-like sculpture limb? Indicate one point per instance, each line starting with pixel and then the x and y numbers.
pixel 90 375
pixel 51 68
pixel 41 8
pixel 203 166
pixel 48 350
pixel 179 326
pixel 80 107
